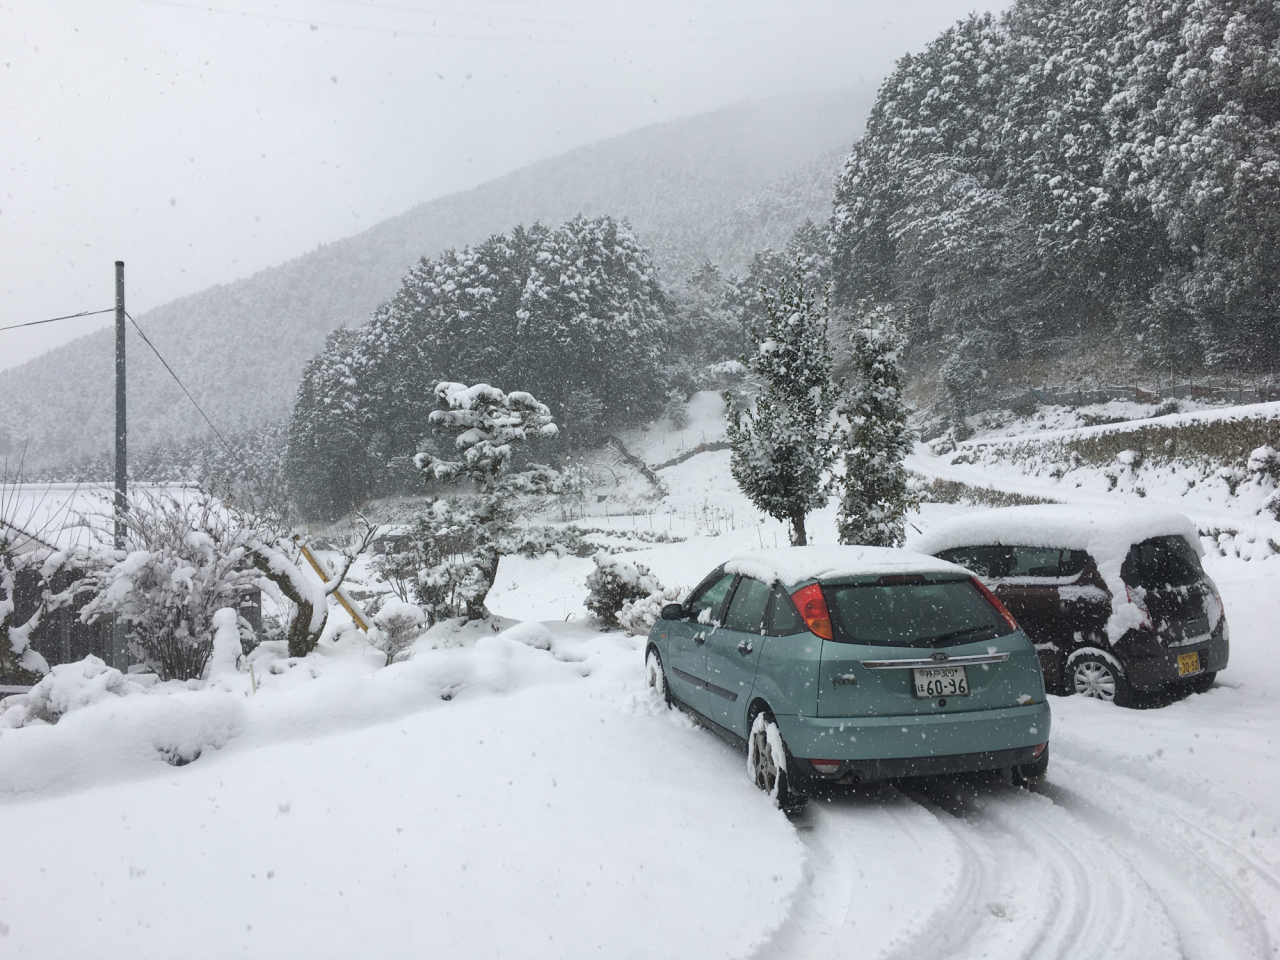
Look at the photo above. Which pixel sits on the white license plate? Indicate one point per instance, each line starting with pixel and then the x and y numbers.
pixel 941 682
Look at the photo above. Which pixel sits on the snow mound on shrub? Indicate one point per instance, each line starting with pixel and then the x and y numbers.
pixel 530 633
pixel 74 686
pixel 614 581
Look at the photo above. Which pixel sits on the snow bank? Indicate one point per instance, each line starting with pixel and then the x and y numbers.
pixel 795 565
pixel 104 736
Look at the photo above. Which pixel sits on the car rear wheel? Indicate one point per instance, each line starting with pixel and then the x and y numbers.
pixel 656 675
pixel 767 764
pixel 1095 676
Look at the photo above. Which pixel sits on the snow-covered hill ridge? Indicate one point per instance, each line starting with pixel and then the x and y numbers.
pixel 722 185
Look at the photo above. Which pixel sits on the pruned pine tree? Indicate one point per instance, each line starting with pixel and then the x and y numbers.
pixel 782 445
pixel 486 425
pixel 875 436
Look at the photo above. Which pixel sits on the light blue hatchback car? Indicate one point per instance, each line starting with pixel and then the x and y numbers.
pixel 843 665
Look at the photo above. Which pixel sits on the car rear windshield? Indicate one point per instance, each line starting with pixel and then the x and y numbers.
pixel 920 613
pixel 1161 562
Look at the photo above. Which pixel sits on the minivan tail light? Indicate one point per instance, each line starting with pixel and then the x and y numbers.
pixel 813 610
pixel 995 602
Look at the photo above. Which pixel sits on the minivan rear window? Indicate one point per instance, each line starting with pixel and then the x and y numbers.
pixel 1161 562
pixel 931 613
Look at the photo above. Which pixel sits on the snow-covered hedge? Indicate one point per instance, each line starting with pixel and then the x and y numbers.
pixel 615 581
pixel 71 686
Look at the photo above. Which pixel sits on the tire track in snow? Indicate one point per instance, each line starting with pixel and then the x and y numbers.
pixel 960 869
pixel 1060 892
pixel 1223 899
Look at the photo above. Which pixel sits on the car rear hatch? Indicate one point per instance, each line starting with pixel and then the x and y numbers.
pixel 908 645
pixel 1164 576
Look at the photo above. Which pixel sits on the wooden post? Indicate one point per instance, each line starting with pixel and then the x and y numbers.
pixel 347 604
pixel 119 638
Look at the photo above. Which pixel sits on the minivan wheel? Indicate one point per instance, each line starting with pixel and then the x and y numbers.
pixel 767 764
pixel 1096 677
pixel 656 675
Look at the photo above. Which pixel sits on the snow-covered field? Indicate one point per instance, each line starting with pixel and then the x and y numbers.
pixel 492 798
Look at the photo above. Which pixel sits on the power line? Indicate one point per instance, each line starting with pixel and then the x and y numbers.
pixel 70 316
pixel 231 450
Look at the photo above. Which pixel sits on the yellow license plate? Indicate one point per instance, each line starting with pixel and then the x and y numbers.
pixel 1188 663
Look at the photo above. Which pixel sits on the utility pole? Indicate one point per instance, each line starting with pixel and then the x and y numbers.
pixel 119 641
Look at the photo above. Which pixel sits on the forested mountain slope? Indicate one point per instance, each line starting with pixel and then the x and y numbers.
pixel 721 186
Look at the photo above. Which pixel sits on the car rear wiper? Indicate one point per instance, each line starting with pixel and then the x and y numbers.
pixel 955 634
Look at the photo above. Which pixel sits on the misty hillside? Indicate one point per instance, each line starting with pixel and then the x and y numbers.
pixel 721 186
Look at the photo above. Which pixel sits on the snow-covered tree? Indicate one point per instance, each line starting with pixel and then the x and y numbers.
pixel 186 557
pixel 875 437
pixel 615 582
pixel 28 556
pixel 782 445
pixel 486 425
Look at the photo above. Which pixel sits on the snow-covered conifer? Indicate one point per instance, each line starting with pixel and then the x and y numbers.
pixel 781 445
pixel 873 416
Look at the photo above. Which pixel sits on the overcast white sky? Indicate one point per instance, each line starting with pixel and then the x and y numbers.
pixel 202 141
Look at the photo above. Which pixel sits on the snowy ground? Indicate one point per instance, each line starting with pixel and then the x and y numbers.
pixel 489 798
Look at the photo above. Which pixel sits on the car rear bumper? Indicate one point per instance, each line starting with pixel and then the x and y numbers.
pixel 868 771
pixel 919 741
pixel 1151 673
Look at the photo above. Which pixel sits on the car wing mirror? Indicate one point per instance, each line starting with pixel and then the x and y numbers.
pixel 673 611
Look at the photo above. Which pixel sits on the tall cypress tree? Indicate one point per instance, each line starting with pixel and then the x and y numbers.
pixel 876 438
pixel 781 446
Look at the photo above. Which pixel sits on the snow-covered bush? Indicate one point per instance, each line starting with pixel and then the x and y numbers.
pixel 186 557
pixel 1264 464
pixel 397 625
pixel 613 582
pixel 72 686
pixel 637 617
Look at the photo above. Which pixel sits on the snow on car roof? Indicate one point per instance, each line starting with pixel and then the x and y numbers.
pixel 794 565
pixel 1101 530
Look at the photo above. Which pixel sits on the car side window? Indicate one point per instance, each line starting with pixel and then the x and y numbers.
pixel 1035 562
pixel 1072 563
pixel 704 606
pixel 784 618
pixel 990 562
pixel 746 609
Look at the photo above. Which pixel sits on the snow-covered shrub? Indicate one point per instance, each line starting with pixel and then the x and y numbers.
pixel 638 616
pixel 397 625
pixel 186 558
pixel 613 582
pixel 72 686
pixel 1264 464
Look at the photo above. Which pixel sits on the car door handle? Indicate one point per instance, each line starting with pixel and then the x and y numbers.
pixel 745 648
pixel 699 638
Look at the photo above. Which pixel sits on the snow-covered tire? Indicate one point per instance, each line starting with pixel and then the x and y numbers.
pixel 1031 774
pixel 656 675
pixel 1098 676
pixel 767 764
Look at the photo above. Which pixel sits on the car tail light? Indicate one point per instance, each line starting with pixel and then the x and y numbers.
pixel 1039 749
pixel 830 766
pixel 995 602
pixel 813 610
pixel 1141 604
